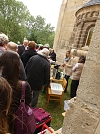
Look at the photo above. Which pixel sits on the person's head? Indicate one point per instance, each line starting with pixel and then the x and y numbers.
pixel 25 42
pixel 45 52
pixel 46 46
pixel 67 53
pixel 31 45
pixel 51 50
pixel 37 46
pixel 3 40
pixel 10 67
pixel 82 59
pixel 12 46
pixel 18 42
pixel 40 47
pixel 5 101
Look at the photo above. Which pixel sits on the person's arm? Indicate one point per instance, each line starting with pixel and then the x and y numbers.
pixel 74 68
pixel 47 74
pixel 28 93
pixel 23 59
pixel 64 63
pixel 19 50
pixel 69 66
pixel 22 71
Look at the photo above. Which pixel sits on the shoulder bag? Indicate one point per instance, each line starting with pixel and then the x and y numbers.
pixel 24 122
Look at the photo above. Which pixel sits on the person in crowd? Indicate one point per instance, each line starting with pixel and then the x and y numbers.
pixel 5 101
pixel 67 64
pixel 4 45
pixel 77 70
pixel 27 54
pixel 14 47
pixel 52 55
pixel 37 47
pixel 38 73
pixel 22 48
pixel 46 46
pixel 40 48
pixel 18 43
pixel 3 42
pixel 68 56
pixel 10 66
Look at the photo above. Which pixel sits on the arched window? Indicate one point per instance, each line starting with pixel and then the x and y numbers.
pixel 90 32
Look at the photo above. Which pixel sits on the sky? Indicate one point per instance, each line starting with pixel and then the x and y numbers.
pixel 48 9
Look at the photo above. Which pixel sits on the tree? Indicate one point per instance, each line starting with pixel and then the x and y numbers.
pixel 41 32
pixel 17 22
pixel 14 17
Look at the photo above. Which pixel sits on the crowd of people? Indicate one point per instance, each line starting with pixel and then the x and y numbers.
pixel 31 64
pixel 20 63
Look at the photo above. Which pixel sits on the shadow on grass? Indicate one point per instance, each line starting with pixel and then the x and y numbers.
pixel 54 108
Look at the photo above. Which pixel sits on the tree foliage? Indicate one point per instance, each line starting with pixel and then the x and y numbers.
pixel 17 22
pixel 41 32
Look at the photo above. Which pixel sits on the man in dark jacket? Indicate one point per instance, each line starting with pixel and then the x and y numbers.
pixel 38 73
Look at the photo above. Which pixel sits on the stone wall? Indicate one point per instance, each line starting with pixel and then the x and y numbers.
pixel 83 117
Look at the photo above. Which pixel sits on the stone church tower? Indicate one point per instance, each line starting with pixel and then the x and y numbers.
pixel 75 25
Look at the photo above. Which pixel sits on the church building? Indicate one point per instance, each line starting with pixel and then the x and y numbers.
pixel 75 26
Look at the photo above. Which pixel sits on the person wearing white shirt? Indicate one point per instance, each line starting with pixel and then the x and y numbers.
pixel 22 48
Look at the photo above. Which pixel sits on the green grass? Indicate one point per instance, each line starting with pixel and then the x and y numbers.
pixel 54 108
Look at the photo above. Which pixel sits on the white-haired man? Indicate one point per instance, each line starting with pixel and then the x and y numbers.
pixel 38 73
pixel 3 42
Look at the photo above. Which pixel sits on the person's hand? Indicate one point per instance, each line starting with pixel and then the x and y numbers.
pixel 49 57
pixel 64 65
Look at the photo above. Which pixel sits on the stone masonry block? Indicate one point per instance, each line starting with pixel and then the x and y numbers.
pixel 88 82
pixel 79 119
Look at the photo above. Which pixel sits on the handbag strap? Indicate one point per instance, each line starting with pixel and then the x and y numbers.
pixel 23 92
